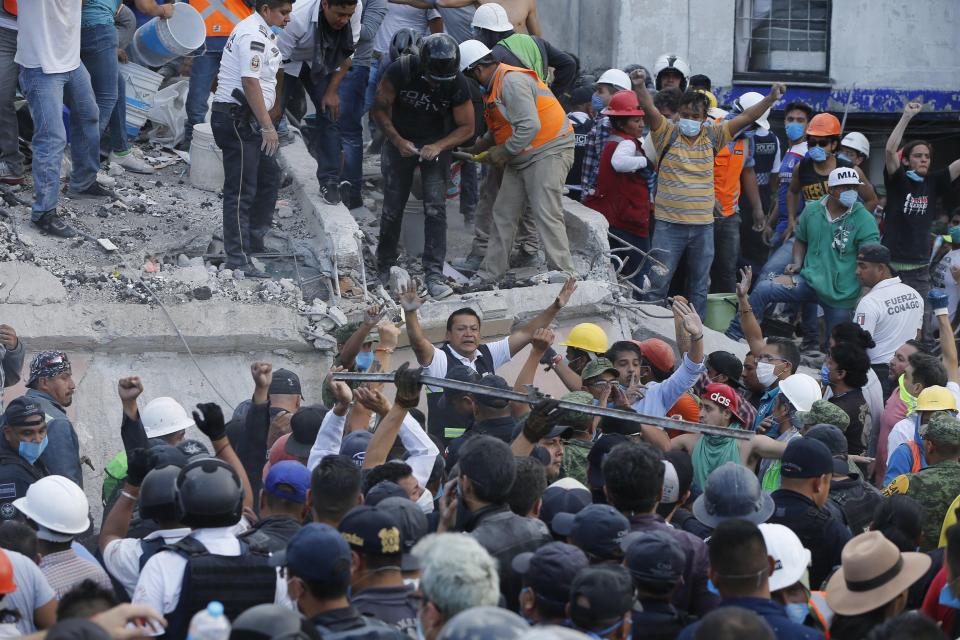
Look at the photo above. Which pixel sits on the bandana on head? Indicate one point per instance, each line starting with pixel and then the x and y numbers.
pixel 48 364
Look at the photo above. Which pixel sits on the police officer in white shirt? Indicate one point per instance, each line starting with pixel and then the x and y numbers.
pixel 245 108
pixel 892 312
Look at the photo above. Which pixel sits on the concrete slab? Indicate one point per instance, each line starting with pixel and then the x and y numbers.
pixel 587 233
pixel 25 283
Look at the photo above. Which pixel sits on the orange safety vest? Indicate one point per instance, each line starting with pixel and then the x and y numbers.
pixel 10 7
pixel 221 16
pixel 917 464
pixel 821 611
pixel 727 167
pixel 553 120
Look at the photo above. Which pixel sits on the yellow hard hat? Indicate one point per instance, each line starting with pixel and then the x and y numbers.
pixel 936 399
pixel 711 99
pixel 587 336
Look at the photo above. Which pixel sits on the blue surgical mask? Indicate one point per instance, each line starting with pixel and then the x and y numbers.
pixel 817 154
pixel 364 359
pixel 913 175
pixel 30 451
pixel 948 599
pixel 689 128
pixel 844 157
pixel 277 30
pixel 797 611
pixel 848 199
pixel 795 130
pixel 712 588
pixel 596 102
pixel 825 375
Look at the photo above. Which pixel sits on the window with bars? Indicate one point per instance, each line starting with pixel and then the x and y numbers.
pixel 774 37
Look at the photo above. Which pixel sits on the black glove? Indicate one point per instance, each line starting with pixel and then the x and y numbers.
pixel 140 462
pixel 542 419
pixel 211 424
pixel 408 386
pixel 548 357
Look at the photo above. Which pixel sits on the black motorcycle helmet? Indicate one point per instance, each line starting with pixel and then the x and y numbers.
pixel 158 494
pixel 439 58
pixel 404 41
pixel 272 622
pixel 209 494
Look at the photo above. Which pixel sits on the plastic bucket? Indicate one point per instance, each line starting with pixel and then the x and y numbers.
pixel 160 41
pixel 141 88
pixel 206 159
pixel 721 308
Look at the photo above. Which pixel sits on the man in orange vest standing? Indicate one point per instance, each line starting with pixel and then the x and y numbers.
pixel 219 17
pixel 530 136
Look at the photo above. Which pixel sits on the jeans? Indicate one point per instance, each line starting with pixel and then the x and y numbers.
pixel 769 292
pixel 919 279
pixel 726 238
pixel 469 187
pixel 251 180
pixel 46 94
pixel 98 52
pixel 351 92
pixel 202 74
pixel 397 180
pixel 673 241
pixel 779 258
pixel 325 140
pixel 632 259
pixel 117 127
pixel 9 144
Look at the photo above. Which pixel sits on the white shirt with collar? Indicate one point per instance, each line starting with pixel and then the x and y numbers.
pixel 499 352
pixel 296 39
pixel 121 557
pixel 251 52
pixel 893 313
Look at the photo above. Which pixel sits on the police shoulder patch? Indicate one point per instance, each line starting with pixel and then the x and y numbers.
pixel 257 46
pixel 7 511
pixel 899 486
pixel 255 63
pixel 264 30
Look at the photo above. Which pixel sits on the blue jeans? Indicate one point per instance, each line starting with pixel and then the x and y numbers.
pixel 202 74
pixel 776 263
pixel 371 90
pixel 769 292
pixel 351 91
pixel 98 52
pixel 673 241
pixel 325 141
pixel 46 95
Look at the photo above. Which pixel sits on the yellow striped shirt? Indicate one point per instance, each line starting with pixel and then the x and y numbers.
pixel 685 176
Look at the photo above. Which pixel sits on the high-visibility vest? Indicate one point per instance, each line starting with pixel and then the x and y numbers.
pixel 10 7
pixel 727 167
pixel 553 120
pixel 821 611
pixel 221 16
pixel 916 463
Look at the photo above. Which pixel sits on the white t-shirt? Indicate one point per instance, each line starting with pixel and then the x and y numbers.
pixel 49 35
pixel 499 352
pixel 943 279
pixel 401 16
pixel 121 558
pixel 893 313
pixel 251 52
pixel 33 590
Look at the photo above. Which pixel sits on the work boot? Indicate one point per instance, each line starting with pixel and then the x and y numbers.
pixel 95 190
pixel 438 288
pixel 251 271
pixel 330 193
pixel 53 224
pixel 9 176
pixel 470 264
pixel 521 259
pixel 131 162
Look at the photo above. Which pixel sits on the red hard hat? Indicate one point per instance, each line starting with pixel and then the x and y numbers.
pixel 623 103
pixel 659 354
pixel 7 585
pixel 824 125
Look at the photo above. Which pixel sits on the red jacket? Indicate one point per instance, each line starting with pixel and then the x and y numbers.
pixel 622 198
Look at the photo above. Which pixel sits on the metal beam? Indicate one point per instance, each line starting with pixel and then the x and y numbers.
pixel 533 396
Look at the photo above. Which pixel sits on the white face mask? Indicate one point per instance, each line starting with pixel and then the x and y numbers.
pixel 425 501
pixel 766 373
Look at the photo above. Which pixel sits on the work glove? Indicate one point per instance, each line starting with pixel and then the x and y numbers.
pixel 938 301
pixel 408 386
pixel 140 462
pixel 210 421
pixel 496 155
pixel 549 358
pixel 542 419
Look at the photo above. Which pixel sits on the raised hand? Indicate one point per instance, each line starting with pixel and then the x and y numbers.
pixel 262 374
pixel 542 419
pixel 372 315
pixel 542 339
pixel 342 393
pixel 8 337
pixel 129 389
pixel 638 78
pixel 746 277
pixel 389 333
pixel 777 89
pixel 408 386
pixel 912 108
pixel 691 321
pixel 372 399
pixel 140 462
pixel 209 419
pixel 563 298
pixel 409 299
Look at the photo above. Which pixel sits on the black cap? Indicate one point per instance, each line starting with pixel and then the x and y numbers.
pixel 600 449
pixel 551 569
pixel 458 373
pixel 169 456
pixel 285 382
pixel 874 252
pixel 597 529
pixel 370 530
pixel 354 446
pixel 193 449
pixel 304 427
pixel 728 364
pixel 806 458
pixel 413 525
pixel 581 95
pixel 493 381
pixel 560 498
pixel 383 490
pixel 654 556
pixel 601 593
pixel 831 436
pixel 23 412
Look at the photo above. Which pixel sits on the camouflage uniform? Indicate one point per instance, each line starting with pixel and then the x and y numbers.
pixel 825 412
pixel 575 451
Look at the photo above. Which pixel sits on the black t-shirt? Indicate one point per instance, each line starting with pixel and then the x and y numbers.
pixel 423 114
pixel 909 213
pixel 856 407
pixel 813 185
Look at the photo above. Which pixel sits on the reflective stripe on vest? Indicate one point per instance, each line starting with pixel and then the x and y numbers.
pixel 221 16
pixel 917 461
pixel 553 119
pixel 727 167
pixel 821 610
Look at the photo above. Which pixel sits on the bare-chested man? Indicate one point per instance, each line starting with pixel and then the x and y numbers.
pixel 522 13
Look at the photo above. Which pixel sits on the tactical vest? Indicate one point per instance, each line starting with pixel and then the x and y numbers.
pixel 442 421
pixel 553 120
pixel 857 504
pixel 367 629
pixel 150 548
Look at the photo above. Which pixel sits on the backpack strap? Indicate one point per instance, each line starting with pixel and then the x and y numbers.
pixel 670 142
pixel 187 547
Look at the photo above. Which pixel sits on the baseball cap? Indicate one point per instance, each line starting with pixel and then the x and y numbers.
pixel 843 176
pixel 288 480
pixel 600 593
pixel 790 557
pixel 413 525
pixel 383 490
pixel 728 364
pixel 654 556
pixel 835 441
pixel 304 427
pixel 169 455
pixel 874 252
pixel 723 395
pixel 285 382
pixel 658 353
pixel 551 569
pixel 942 429
pixel 316 552
pixel 193 449
pixel 458 373
pixel 597 529
pixel 493 382
pixel 572 417
pixel 566 495
pixel 354 446
pixel 370 530
pixel 600 450
pixel 806 458
pixel 598 366
pixel 581 95
pixel 825 412
pixel 671 484
pixel 23 412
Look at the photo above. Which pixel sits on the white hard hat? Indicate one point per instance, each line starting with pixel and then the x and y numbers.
pixel 56 503
pixel 616 77
pixel 746 101
pixel 790 557
pixel 843 176
pixel 856 141
pixel 671 61
pixel 801 390
pixel 471 51
pixel 163 416
pixel 492 17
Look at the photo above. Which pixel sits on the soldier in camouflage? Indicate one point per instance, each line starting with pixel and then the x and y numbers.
pixel 578 445
pixel 936 486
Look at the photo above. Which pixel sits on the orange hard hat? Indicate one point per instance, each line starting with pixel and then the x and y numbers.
pixel 7 584
pixel 824 125
pixel 623 103
pixel 659 354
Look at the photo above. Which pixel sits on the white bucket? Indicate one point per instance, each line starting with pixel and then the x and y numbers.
pixel 141 88
pixel 159 41
pixel 206 159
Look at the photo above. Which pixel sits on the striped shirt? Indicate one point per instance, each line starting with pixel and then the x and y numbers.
pixel 65 569
pixel 685 193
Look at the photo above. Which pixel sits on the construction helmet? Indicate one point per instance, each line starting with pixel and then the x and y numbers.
pixel 56 503
pixel 271 622
pixel 439 57
pixel 623 103
pixel 824 125
pixel 158 494
pixel 492 17
pixel 711 99
pixel 472 52
pixel 209 494
pixel 747 100
pixel 672 62
pixel 163 416
pixel 616 77
pixel 404 41
pixel 856 141
pixel 588 337
pixel 7 583
pixel 801 390
pixel 936 399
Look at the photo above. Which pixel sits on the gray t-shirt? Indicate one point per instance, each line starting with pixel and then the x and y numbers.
pixel 374 12
pixel 456 22
pixel 398 17
pixel 33 591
